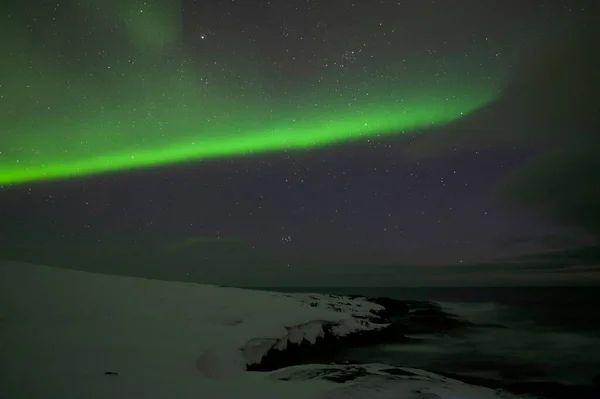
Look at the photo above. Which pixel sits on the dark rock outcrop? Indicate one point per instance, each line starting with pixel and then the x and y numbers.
pixel 345 373
pixel 403 317
pixel 333 374
pixel 393 307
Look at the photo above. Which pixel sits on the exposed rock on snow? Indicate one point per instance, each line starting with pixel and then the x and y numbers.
pixel 359 315
pixel 376 381
pixel 370 322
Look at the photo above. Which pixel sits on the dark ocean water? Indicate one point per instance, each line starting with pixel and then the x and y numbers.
pixel 553 334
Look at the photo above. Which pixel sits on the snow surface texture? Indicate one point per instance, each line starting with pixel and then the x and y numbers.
pixel 71 334
pixel 386 382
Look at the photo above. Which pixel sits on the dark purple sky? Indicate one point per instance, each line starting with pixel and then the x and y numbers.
pixel 350 204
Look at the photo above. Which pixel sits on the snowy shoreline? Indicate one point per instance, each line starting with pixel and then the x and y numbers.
pixel 74 334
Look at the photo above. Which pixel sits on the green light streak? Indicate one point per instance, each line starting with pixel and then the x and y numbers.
pixel 139 109
pixel 317 131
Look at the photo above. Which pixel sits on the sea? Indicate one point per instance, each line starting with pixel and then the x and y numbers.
pixel 550 334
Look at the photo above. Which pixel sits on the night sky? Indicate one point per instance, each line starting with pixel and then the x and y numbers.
pixel 303 142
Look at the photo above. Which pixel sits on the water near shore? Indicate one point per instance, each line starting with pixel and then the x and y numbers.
pixel 549 334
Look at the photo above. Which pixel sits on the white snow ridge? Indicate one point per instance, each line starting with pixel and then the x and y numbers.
pixel 71 335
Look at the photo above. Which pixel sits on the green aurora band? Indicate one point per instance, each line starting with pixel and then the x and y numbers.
pixel 135 106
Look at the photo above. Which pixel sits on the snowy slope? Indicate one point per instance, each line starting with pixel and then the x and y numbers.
pixel 62 330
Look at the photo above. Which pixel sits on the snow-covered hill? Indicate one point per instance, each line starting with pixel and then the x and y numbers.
pixel 71 334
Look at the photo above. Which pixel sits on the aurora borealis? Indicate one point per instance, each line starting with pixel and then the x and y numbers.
pixel 240 142
pixel 118 89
